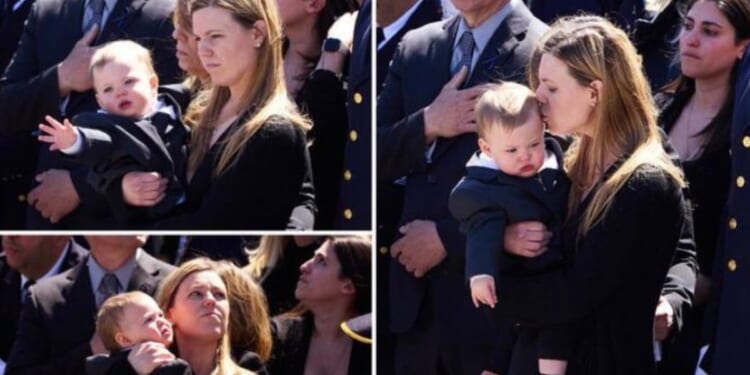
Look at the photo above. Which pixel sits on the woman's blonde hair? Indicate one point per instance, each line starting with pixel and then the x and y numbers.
pixel 265 94
pixel 165 299
pixel 269 252
pixel 249 324
pixel 625 115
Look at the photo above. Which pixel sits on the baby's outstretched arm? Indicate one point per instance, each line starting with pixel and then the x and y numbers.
pixel 59 135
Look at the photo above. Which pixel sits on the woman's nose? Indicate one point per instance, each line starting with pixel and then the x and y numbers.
pixel 540 95
pixel 305 267
pixel 690 37
pixel 209 299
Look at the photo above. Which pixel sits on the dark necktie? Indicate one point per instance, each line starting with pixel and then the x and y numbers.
pixel 96 9
pixel 466 46
pixel 25 293
pixel 108 287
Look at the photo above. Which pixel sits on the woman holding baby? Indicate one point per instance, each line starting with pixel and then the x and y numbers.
pixel 248 160
pixel 625 207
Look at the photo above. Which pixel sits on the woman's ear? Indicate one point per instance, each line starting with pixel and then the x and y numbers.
pixel 596 91
pixel 348 287
pixel 259 32
pixel 315 6
pixel 743 47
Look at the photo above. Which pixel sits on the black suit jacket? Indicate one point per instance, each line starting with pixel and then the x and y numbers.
pixel 29 89
pixel 418 72
pixel 10 295
pixel 428 11
pixel 115 145
pixel 11 25
pixel 58 320
pixel 487 200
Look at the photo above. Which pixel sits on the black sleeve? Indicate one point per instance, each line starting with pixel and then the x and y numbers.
pixel 400 138
pixel 27 94
pixel 324 100
pixel 680 283
pixel 645 213
pixel 483 225
pixel 31 353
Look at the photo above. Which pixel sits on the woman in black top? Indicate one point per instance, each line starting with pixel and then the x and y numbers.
pixel 334 286
pixel 625 209
pixel 248 163
pixel 696 112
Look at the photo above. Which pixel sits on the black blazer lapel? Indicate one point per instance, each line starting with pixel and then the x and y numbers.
pixel 79 290
pixel 145 275
pixel 443 47
pixel 71 21
pixel 498 60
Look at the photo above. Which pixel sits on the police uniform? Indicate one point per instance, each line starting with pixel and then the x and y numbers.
pixel 728 318
pixel 354 208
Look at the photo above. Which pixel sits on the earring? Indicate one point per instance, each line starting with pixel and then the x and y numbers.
pixel 257 45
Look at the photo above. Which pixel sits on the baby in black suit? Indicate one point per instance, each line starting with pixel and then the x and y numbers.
pixel 137 129
pixel 516 176
pixel 125 320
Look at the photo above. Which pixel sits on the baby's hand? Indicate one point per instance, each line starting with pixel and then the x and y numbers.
pixel 60 136
pixel 483 291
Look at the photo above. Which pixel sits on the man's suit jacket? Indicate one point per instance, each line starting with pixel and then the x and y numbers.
pixel 428 11
pixel 727 317
pixel 354 206
pixel 11 25
pixel 29 89
pixel 58 320
pixel 391 195
pixel 418 72
pixel 10 295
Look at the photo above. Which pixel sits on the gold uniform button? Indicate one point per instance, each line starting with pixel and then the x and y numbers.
pixel 347 175
pixel 383 250
pixel 746 141
pixel 357 98
pixel 353 135
pixel 732 223
pixel 21 198
pixel 348 214
pixel 732 265
pixel 740 181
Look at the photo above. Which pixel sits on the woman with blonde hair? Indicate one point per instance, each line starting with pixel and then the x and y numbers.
pixel 249 323
pixel 248 157
pixel 626 208
pixel 195 299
